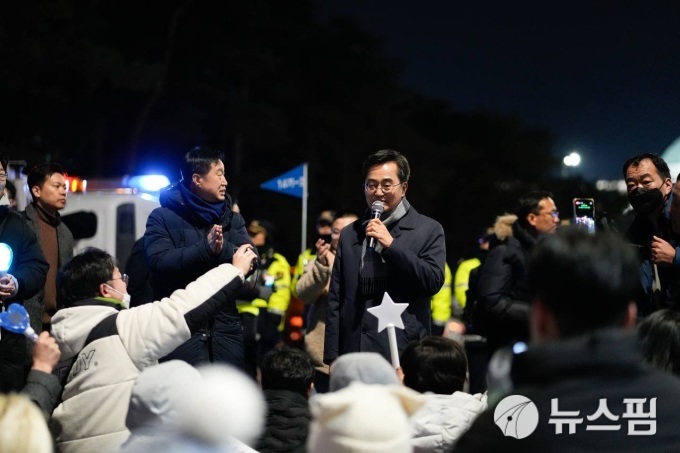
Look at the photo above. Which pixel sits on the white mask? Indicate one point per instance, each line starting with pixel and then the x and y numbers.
pixel 126 297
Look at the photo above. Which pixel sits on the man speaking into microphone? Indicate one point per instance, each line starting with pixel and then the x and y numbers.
pixel 392 249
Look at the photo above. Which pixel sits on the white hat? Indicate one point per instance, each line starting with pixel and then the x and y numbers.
pixel 173 405
pixel 365 367
pixel 363 418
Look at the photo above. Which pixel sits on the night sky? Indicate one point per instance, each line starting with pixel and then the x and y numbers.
pixel 603 77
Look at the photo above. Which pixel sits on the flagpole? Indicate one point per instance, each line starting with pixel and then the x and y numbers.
pixel 305 194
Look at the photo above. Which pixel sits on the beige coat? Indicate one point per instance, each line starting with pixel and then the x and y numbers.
pixel 312 289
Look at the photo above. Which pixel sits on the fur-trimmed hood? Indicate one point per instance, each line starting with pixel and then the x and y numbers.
pixel 503 226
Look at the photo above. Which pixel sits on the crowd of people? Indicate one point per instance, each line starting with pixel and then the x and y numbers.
pixel 584 326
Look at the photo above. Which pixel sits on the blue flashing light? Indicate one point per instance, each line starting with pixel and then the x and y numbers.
pixel 519 347
pixel 148 183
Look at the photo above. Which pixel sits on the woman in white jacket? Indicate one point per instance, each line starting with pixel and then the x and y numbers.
pixel 105 346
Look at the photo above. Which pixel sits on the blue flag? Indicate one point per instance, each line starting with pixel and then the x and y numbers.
pixel 290 183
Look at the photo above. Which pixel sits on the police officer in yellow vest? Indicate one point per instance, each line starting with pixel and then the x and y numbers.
pixel 264 301
pixel 441 304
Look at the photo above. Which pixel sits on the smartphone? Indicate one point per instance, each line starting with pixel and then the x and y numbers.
pixel 584 213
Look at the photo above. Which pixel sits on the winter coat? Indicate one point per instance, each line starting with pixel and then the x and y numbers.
pixel 44 390
pixel 443 419
pixel 287 425
pixel 577 375
pixel 30 270
pixel 34 305
pixel 108 348
pixel 177 252
pixel 415 266
pixel 502 294
pixel 312 289
pixel 640 234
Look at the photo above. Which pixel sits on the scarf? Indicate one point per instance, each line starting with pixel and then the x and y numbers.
pixel 209 213
pixel 373 271
pixel 46 217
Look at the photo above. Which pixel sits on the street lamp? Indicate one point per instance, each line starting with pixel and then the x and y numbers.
pixel 570 161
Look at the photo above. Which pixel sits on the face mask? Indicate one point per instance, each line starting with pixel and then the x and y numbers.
pixel 645 201
pixel 126 297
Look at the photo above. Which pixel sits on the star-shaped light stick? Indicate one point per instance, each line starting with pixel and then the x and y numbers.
pixel 389 315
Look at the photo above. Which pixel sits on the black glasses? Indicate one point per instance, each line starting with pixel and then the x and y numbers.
pixel 123 277
pixel 386 187
pixel 3 175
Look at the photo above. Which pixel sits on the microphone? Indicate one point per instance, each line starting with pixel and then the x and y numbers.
pixel 377 209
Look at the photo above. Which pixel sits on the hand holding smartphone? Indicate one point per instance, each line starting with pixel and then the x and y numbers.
pixel 584 213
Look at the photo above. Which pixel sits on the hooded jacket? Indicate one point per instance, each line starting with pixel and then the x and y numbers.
pixel 443 419
pixel 288 419
pixel 103 351
pixel 502 294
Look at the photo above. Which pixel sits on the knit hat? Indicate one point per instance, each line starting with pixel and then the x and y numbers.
pixel 174 405
pixel 158 394
pixel 365 367
pixel 363 418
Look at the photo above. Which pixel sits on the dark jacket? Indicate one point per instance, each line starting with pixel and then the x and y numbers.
pixel 30 269
pixel 34 305
pixel 287 426
pixel 579 373
pixel 502 294
pixel 640 234
pixel 415 266
pixel 44 390
pixel 177 252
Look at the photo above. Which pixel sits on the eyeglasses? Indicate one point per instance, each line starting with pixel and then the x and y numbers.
pixel 386 187
pixel 555 214
pixel 123 277
pixel 3 175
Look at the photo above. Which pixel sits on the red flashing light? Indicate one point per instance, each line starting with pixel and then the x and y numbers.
pixel 75 184
pixel 296 321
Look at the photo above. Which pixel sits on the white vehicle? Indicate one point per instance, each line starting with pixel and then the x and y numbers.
pixel 111 219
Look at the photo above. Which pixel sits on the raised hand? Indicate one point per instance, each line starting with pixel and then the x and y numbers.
pixel 46 353
pixel 323 250
pixel 215 239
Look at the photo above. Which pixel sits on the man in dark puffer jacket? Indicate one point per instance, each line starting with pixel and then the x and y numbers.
pixel 287 376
